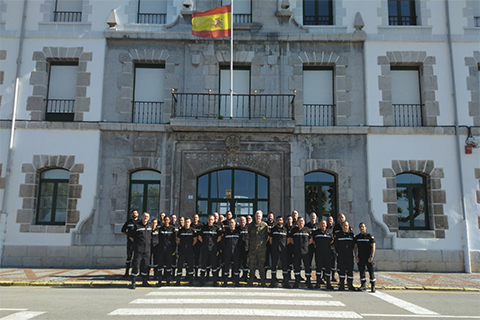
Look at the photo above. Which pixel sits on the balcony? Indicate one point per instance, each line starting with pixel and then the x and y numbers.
pixel 67 16
pixel 152 18
pixel 244 107
pixel 319 115
pixel 402 20
pixel 242 18
pixel 60 110
pixel 317 20
pixel 407 115
pixel 147 112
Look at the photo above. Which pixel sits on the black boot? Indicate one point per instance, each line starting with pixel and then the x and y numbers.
pixel 372 286
pixel 317 283
pixel 225 280
pixel 215 279
pixel 341 285
pixel 286 280
pixel 168 276
pixel 126 275
pixel 350 285
pixel 308 282
pixel 274 280
pixel 329 285
pixel 202 279
pixel 145 282
pixel 363 287
pixel 297 282
pixel 236 281
pixel 134 283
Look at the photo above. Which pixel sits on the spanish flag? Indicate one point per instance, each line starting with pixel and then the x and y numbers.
pixel 215 23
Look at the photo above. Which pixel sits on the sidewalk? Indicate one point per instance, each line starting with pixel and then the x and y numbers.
pixel 113 277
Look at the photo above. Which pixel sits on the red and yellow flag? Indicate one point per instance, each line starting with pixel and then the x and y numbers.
pixel 215 23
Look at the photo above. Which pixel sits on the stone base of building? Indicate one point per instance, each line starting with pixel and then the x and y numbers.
pixel 114 257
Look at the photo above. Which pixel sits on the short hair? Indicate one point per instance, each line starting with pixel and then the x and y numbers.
pixel 361 224
pixel 278 217
pixel 288 216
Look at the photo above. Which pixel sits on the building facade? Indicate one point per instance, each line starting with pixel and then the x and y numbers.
pixel 367 108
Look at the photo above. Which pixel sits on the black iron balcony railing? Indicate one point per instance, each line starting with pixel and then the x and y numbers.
pixel 147 112
pixel 245 106
pixel 407 115
pixel 317 20
pixel 60 109
pixel 152 18
pixel 67 16
pixel 242 18
pixel 319 115
pixel 402 20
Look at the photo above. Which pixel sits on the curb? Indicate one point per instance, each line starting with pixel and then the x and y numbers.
pixel 117 284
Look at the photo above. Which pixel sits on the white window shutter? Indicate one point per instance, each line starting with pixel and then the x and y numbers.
pixel 149 84
pixel 63 82
pixel 153 6
pixel 318 87
pixel 405 87
pixel 69 5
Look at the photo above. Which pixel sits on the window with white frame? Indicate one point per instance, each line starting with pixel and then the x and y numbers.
pixel 242 10
pixel 406 96
pixel 68 11
pixel 53 197
pixel 148 93
pixel 318 98
pixel 145 192
pixel 62 91
pixel 241 89
pixel 152 11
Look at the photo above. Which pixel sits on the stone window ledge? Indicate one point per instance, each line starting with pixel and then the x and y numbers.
pixel 87 24
pixel 406 27
pixel 429 234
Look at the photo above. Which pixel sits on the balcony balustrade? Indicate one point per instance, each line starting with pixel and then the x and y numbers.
pixel 60 109
pixel 152 18
pixel 319 115
pixel 407 115
pixel 67 16
pixel 147 112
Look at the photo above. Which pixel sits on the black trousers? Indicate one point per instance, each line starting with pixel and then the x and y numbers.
pixel 185 257
pixel 345 266
pixel 209 259
pixel 244 260
pixel 231 260
pixel 165 259
pixel 129 252
pixel 361 268
pixel 297 264
pixel 323 260
pixel 311 254
pixel 141 262
pixel 281 256
pixel 197 249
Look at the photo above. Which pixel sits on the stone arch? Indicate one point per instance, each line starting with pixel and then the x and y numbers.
pixel 29 192
pixel 435 194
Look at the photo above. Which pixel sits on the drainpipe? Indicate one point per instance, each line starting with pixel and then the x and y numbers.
pixel 466 242
pixel 4 214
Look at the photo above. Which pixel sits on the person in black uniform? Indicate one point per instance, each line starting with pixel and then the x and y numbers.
pixel 295 217
pixel 289 226
pixel 364 253
pixel 243 247
pixel 141 236
pixel 301 237
pixel 155 247
pixel 196 225
pixel 210 235
pixel 333 256
pixel 312 225
pixel 186 240
pixel 168 244
pixel 231 252
pixel 271 223
pixel 344 244
pixel 127 227
pixel 278 241
pixel 323 239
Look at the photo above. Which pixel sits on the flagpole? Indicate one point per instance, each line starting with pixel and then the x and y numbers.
pixel 231 61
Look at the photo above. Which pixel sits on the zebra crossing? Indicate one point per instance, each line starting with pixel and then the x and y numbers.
pixel 193 302
pixel 18 314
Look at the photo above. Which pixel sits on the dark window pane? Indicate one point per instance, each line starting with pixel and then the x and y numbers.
pixel 244 208
pixel 418 197
pixel 319 177
pixel 220 207
pixel 311 198
pixel 327 201
pixel 262 205
pixel 262 192
pixel 409 178
pixel 44 215
pixel 323 8
pixel 403 207
pixel 244 184
pixel 202 190
pixel 136 200
pixel 202 207
pixel 392 8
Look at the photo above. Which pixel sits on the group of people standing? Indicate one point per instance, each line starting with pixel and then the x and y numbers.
pixel 224 247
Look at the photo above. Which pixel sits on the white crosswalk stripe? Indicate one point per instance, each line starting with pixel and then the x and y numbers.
pixel 194 302
pixel 22 315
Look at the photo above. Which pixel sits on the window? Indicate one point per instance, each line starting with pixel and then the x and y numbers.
pixel 149 93
pixel 241 98
pixel 242 10
pixel 320 194
pixel 476 21
pixel 145 192
pixel 68 11
pixel 412 201
pixel 402 13
pixel 53 197
pixel 152 11
pixel 62 91
pixel 406 99
pixel 318 103
pixel 240 191
pixel 317 12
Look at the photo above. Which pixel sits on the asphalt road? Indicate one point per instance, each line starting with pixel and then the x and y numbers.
pixel 39 303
